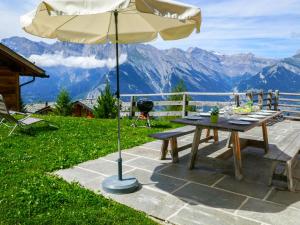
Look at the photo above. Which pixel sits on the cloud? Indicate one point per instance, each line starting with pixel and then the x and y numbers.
pixel 84 62
pixel 265 27
pixel 246 8
pixel 260 26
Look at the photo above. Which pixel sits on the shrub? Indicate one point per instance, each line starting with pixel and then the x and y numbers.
pixel 180 87
pixel 63 106
pixel 106 106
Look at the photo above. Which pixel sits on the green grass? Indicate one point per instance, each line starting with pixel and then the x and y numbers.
pixel 30 195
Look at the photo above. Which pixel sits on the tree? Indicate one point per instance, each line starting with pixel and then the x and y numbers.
pixel 63 104
pixel 106 106
pixel 180 87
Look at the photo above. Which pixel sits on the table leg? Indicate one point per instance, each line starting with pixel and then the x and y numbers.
pixel 216 136
pixel 174 150
pixel 237 155
pixel 195 145
pixel 207 133
pixel 229 140
pixel 164 149
pixel 265 136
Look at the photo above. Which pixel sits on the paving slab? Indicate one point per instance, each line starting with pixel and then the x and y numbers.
pixel 149 153
pixel 211 197
pixel 105 167
pixel 155 145
pixel 76 174
pixel 115 156
pixel 251 189
pixel 157 181
pixel 95 185
pixel 255 168
pixel 148 164
pixel 198 175
pixel 154 203
pixel 270 213
pixel 285 197
pixel 196 214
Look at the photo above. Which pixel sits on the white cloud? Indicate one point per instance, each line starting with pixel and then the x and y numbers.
pixel 246 8
pixel 87 62
pixel 226 24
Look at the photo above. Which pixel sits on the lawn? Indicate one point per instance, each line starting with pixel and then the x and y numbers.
pixel 29 194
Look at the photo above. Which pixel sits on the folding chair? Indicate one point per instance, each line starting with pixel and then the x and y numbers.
pixel 22 123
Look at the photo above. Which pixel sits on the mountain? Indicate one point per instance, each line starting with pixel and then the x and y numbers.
pixel 84 69
pixel 283 76
pixel 233 66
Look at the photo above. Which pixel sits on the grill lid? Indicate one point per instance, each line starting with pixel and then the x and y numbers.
pixel 144 105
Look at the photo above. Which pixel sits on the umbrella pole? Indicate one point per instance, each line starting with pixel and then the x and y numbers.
pixel 118 96
pixel 119 184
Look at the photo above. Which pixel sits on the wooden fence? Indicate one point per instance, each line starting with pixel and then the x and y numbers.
pixel 290 104
pixel 265 100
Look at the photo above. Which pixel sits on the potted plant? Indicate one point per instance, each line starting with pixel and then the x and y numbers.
pixel 214 115
pixel 249 105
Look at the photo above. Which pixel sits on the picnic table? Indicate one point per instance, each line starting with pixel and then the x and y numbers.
pixel 234 142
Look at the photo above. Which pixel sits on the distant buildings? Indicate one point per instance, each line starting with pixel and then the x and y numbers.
pixel 81 108
pixel 40 108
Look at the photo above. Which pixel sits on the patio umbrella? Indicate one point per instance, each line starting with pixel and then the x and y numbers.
pixel 113 21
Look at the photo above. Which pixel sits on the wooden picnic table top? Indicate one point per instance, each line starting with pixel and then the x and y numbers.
pixel 223 123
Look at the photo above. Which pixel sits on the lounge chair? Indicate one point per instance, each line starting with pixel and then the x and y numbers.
pixel 23 123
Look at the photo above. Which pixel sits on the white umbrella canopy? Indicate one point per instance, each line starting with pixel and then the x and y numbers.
pixel 113 21
pixel 92 21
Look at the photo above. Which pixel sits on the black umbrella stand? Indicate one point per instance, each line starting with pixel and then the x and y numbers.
pixel 118 183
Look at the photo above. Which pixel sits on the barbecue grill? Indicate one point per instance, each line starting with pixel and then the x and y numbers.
pixel 144 106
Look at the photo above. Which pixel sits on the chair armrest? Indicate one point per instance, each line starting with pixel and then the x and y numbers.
pixel 11 112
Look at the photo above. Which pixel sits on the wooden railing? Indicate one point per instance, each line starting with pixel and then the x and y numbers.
pixel 290 104
pixel 265 100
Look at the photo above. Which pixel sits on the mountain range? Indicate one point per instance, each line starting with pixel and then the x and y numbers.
pixel 84 69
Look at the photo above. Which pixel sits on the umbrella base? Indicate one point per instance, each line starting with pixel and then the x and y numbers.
pixel 126 185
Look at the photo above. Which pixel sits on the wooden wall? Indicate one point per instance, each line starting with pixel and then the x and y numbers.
pixel 9 88
pixel 80 111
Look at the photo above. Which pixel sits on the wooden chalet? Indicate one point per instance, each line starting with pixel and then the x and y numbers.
pixel 83 108
pixel 12 66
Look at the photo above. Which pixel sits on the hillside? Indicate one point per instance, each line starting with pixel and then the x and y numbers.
pixel 283 76
pixel 83 69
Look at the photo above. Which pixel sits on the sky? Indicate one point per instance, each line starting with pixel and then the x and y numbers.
pixel 267 28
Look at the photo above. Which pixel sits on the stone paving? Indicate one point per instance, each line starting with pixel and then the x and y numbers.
pixel 209 194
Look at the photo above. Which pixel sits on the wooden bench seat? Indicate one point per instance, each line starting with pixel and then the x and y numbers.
pixel 285 152
pixel 171 137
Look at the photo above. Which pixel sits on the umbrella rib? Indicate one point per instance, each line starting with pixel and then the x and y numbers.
pixel 66 22
pixel 109 25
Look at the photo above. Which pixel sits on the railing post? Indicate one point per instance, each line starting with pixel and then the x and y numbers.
pixel 184 105
pixel 276 103
pixel 269 99
pixel 132 107
pixel 249 94
pixel 237 99
pixel 261 99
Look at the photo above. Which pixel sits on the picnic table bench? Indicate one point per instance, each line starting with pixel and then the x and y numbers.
pixel 171 137
pixel 234 144
pixel 285 152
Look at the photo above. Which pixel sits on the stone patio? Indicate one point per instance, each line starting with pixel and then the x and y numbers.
pixel 209 194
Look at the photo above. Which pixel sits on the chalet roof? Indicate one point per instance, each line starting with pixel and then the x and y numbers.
pixel 17 63
pixel 37 107
pixel 88 104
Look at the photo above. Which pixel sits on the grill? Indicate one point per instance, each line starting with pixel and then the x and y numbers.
pixel 144 106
